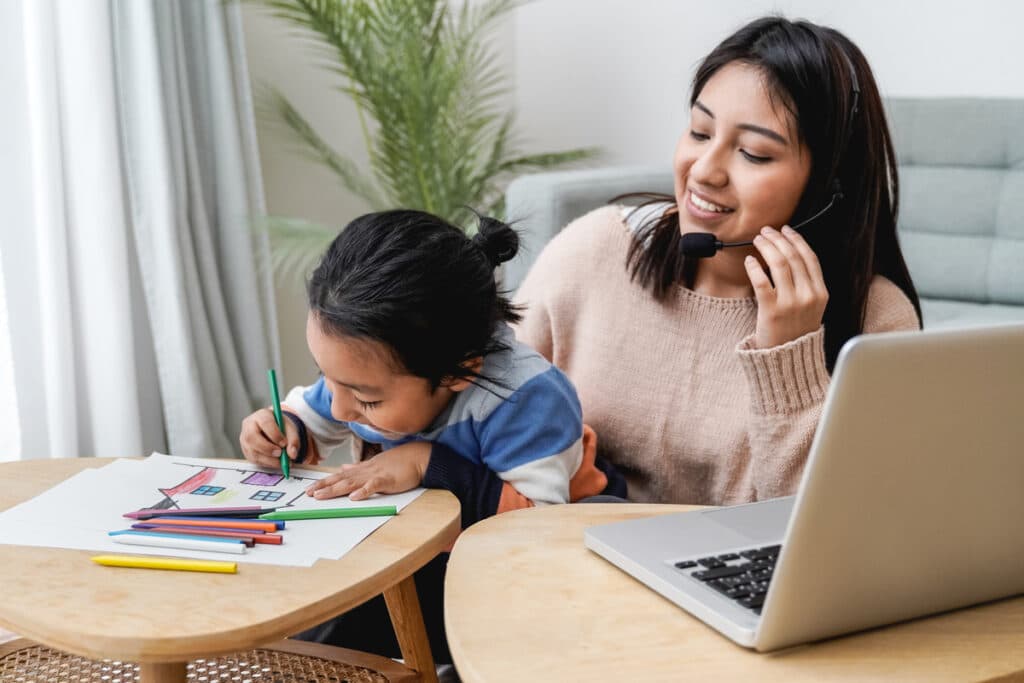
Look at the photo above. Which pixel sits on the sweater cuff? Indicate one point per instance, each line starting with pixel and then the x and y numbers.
pixel 788 378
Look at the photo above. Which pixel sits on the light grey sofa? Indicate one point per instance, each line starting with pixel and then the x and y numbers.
pixel 961 220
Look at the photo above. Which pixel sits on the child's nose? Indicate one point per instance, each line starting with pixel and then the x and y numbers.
pixel 344 410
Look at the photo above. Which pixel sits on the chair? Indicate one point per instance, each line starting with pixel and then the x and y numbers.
pixel 286 661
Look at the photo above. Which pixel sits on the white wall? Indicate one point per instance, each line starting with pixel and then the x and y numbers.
pixel 615 74
pixel 294 185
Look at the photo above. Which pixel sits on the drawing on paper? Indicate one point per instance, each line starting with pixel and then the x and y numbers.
pixel 212 486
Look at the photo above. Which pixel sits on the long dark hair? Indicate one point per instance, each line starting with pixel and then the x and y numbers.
pixel 420 286
pixel 814 72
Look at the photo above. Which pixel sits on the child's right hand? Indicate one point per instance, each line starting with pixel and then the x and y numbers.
pixel 262 441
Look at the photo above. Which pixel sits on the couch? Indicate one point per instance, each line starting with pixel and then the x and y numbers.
pixel 961 219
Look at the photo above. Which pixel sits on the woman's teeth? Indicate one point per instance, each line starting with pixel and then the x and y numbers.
pixel 707 206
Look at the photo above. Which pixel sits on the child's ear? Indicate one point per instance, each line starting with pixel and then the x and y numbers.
pixel 460 383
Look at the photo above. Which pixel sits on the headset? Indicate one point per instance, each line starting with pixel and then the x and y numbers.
pixel 705 244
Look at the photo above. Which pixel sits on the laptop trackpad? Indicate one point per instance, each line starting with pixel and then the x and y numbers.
pixel 758 521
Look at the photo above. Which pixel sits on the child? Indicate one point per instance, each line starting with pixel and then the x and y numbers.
pixel 412 339
pixel 409 330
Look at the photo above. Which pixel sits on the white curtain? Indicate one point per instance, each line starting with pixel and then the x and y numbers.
pixel 140 308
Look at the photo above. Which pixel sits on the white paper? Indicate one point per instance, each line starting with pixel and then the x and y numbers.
pixel 78 512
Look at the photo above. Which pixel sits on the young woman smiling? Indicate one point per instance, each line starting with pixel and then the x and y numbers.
pixel 704 378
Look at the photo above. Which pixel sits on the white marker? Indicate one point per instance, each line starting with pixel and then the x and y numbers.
pixel 179 542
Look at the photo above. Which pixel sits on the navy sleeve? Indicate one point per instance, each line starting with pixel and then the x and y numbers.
pixel 476 486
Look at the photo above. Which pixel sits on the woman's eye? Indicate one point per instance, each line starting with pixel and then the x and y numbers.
pixel 368 405
pixel 699 137
pixel 753 158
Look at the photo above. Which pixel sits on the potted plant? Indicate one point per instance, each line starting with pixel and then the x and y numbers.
pixel 428 95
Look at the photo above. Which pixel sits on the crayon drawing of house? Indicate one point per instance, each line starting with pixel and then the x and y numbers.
pixel 238 486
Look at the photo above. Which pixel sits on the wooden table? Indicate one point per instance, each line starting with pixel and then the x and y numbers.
pixel 526 601
pixel 163 619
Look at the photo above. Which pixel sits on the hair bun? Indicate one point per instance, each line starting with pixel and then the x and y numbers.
pixel 498 240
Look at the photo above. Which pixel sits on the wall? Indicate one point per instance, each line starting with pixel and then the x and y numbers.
pixel 615 74
pixel 295 186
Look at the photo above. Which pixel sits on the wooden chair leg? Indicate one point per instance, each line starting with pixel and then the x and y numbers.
pixel 173 672
pixel 407 618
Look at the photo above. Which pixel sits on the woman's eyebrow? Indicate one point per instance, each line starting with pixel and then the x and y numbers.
pixel 761 130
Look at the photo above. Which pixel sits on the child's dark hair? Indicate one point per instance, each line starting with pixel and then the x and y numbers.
pixel 420 286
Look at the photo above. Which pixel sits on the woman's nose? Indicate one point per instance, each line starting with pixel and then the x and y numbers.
pixel 709 167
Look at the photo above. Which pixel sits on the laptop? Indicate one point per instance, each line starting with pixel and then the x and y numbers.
pixel 911 502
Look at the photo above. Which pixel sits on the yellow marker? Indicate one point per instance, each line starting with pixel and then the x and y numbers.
pixel 166 563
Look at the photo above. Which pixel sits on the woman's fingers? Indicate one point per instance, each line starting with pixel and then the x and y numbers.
pixel 799 276
pixel 778 265
pixel 810 259
pixel 759 279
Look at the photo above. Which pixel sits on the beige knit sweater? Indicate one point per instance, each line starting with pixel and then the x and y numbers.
pixel 681 403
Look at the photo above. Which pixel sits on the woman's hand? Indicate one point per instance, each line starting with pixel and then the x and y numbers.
pixel 795 304
pixel 395 470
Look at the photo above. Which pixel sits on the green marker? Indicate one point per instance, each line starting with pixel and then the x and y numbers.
pixel 279 418
pixel 290 515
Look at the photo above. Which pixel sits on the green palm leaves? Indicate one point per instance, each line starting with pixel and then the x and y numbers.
pixel 429 96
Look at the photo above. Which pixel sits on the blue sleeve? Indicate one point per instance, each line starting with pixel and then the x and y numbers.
pixel 542 418
pixel 319 398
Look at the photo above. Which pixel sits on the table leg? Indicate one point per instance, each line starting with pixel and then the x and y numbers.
pixel 164 672
pixel 404 608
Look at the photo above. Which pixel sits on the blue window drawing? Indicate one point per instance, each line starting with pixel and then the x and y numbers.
pixel 267 495
pixel 207 490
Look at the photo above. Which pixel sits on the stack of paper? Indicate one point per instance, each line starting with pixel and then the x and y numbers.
pixel 80 511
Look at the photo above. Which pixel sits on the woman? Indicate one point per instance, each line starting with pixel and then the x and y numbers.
pixel 704 377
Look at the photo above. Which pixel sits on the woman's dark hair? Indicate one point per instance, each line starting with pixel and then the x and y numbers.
pixel 815 73
pixel 420 286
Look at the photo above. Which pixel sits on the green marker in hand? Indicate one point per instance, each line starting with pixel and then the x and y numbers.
pixel 279 418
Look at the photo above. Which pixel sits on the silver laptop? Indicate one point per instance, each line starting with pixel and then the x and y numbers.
pixel 911 502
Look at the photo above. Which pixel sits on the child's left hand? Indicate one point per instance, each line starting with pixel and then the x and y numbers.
pixel 395 470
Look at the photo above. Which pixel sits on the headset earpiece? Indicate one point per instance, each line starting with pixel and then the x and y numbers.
pixel 837 190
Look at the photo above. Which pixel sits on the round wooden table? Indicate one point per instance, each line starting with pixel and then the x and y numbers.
pixel 163 619
pixel 526 601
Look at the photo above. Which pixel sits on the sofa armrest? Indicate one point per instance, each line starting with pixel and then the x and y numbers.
pixel 541 204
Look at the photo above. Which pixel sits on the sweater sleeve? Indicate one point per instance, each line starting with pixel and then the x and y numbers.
pixel 787 386
pixel 312 405
pixel 535 327
pixel 482 493
pixel 531 451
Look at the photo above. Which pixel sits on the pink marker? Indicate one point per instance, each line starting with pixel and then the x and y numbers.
pixel 247 511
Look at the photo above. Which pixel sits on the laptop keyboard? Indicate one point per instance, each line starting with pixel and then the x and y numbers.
pixel 742 576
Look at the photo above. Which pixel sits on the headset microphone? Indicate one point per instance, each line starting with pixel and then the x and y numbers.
pixel 704 244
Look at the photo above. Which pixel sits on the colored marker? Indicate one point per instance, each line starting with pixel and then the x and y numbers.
pixel 247 511
pixel 254 536
pixel 279 418
pixel 160 524
pixel 222 523
pixel 213 545
pixel 166 563
pixel 198 533
pixel 331 513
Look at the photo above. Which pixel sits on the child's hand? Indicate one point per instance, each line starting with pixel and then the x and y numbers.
pixel 395 470
pixel 262 441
